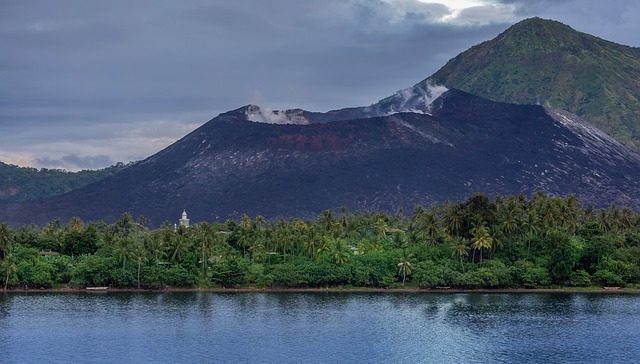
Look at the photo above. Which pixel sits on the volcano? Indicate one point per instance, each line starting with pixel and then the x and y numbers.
pixel 422 145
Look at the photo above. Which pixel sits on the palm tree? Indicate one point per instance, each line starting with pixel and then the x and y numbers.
pixel 257 250
pixel 245 222
pixel 328 220
pixel 155 247
pixel 460 249
pixel 418 211
pixel 571 212
pixel 496 242
pixel 310 244
pixel 453 219
pixel 343 216
pixel 588 214
pixel 363 246
pixel 429 226
pixel 6 236
pixel 626 217
pixel 75 224
pixel 8 267
pixel 405 266
pixel 549 215
pixel 259 222
pixel 481 240
pixel 604 222
pixel 399 239
pixel 123 246
pixel 340 251
pixel 381 227
pixel 124 225
pixel 510 223
pixel 297 235
pixel 140 253
pixel 530 226
pixel 324 247
pixel 244 239
pixel 282 241
pixel 7 260
pixel 205 237
pixel 54 233
pixel 180 246
pixel 413 238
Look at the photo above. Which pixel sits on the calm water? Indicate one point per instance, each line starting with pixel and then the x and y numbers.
pixel 318 328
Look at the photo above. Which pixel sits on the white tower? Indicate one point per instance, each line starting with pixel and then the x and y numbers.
pixel 184 221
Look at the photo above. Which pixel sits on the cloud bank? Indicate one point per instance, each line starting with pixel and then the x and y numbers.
pixel 81 83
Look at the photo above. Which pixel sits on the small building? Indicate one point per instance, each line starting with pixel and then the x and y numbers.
pixel 184 221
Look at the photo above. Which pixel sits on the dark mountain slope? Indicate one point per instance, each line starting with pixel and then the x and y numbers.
pixel 545 61
pixel 460 145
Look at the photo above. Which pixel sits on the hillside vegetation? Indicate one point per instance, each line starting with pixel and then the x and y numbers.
pixel 507 242
pixel 547 62
pixel 18 184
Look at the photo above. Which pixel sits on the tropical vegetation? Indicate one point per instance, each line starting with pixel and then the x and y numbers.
pixel 481 243
pixel 19 184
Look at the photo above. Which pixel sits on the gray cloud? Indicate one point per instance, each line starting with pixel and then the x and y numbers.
pixel 75 162
pixel 123 79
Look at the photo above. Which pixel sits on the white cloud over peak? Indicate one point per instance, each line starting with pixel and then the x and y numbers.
pixel 474 12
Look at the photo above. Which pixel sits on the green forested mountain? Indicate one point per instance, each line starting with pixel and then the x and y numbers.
pixel 547 62
pixel 19 184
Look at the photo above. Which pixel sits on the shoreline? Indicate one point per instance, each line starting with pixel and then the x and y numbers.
pixel 98 290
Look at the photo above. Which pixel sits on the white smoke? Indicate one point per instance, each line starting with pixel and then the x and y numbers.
pixel 265 115
pixel 416 99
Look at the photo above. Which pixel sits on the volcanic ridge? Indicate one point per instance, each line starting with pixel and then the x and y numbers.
pixel 418 146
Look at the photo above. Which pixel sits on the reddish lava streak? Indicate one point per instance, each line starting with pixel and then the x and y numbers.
pixel 315 143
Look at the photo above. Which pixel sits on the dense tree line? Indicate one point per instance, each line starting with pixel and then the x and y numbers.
pixel 509 242
pixel 19 184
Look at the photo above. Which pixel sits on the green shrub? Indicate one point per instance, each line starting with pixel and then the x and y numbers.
pixel 36 274
pixel 228 272
pixel 607 278
pixel 92 271
pixel 580 278
pixel 154 275
pixel 178 276
pixel 528 275
pixel 123 277
pixel 428 274
pixel 372 270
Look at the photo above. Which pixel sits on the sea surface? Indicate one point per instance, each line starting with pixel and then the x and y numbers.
pixel 319 327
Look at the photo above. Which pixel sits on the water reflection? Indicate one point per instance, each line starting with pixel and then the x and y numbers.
pixel 319 327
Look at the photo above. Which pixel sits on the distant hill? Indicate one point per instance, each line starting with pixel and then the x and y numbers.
pixel 408 149
pixel 545 61
pixel 18 184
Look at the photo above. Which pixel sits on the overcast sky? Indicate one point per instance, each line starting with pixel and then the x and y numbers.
pixel 85 84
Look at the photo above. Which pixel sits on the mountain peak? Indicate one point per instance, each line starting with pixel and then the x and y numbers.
pixel 545 61
pixel 537 23
pixel 546 36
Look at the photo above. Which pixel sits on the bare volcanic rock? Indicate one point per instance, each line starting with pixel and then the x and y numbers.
pixel 296 163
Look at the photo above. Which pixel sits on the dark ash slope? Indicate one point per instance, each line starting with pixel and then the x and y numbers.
pixel 231 166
